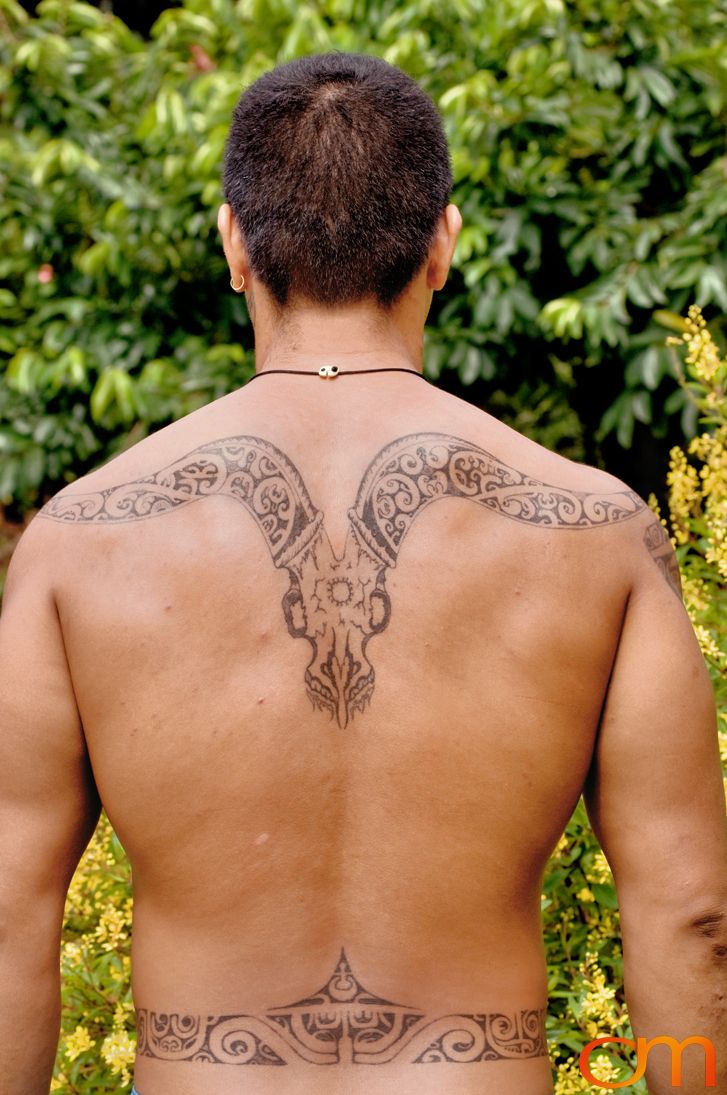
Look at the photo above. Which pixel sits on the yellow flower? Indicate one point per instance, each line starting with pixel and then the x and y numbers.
pixel 569 1079
pixel 599 871
pixel 585 894
pixel 78 1042
pixel 598 1003
pixel 702 354
pixel 696 594
pixel 112 927
pixel 124 1010
pixel 118 1051
pixel 685 493
pixel 603 1068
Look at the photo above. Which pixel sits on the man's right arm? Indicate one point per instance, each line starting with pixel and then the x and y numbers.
pixel 48 810
pixel 656 801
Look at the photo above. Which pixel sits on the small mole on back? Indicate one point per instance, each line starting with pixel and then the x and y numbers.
pixel 261 699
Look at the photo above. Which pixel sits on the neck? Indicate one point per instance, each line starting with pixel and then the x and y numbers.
pixel 354 337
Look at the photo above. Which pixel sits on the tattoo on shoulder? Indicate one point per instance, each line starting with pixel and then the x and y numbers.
pixel 342 1023
pixel 339 603
pixel 658 544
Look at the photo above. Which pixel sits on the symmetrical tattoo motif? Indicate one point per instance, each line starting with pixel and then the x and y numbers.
pixel 658 544
pixel 341 1024
pixel 338 604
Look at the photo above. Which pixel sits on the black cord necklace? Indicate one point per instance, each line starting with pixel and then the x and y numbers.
pixel 330 372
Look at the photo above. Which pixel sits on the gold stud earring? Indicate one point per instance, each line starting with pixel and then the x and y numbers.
pixel 238 288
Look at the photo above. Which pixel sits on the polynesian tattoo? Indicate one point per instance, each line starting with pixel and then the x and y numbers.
pixel 343 1023
pixel 658 544
pixel 339 603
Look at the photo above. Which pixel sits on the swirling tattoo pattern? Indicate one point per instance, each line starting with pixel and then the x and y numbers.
pixel 339 603
pixel 342 1023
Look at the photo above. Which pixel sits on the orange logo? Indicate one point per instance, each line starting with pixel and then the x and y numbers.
pixel 642 1047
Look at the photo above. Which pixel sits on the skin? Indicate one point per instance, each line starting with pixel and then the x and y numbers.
pixel 147 664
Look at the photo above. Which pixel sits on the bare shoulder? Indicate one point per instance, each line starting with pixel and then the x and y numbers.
pixel 638 543
pixel 644 540
pixel 151 454
pixel 32 558
pixel 537 465
pixel 551 466
pixel 149 458
pixel 46 554
pixel 521 452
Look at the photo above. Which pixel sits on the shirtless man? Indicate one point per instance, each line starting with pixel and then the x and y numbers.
pixel 338 654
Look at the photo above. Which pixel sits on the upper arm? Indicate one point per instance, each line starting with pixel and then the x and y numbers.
pixel 654 793
pixel 48 802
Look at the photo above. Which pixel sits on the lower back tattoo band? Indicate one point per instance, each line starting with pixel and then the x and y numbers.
pixel 339 603
pixel 343 1023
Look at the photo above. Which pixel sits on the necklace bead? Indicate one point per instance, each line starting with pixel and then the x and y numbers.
pixel 330 372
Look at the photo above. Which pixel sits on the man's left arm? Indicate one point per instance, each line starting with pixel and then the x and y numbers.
pixel 48 810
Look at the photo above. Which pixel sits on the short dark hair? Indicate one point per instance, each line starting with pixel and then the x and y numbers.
pixel 337 171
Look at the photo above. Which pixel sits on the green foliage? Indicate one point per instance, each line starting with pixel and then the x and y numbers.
pixel 588 152
pixel 115 318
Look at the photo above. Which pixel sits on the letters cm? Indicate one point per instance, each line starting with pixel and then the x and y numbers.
pixel 642 1047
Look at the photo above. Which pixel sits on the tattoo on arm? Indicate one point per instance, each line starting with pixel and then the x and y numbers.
pixel 339 604
pixel 658 544
pixel 343 1023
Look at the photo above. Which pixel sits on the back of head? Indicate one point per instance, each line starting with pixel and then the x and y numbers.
pixel 337 171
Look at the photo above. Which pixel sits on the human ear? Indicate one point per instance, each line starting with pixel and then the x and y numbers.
pixel 232 242
pixel 443 246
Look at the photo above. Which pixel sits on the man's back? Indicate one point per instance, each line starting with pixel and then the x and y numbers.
pixel 338 657
pixel 338 809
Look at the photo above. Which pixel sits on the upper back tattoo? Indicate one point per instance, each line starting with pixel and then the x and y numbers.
pixel 339 603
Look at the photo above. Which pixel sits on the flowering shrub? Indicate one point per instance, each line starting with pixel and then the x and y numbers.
pixel 698 501
pixel 579 902
pixel 98 1042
